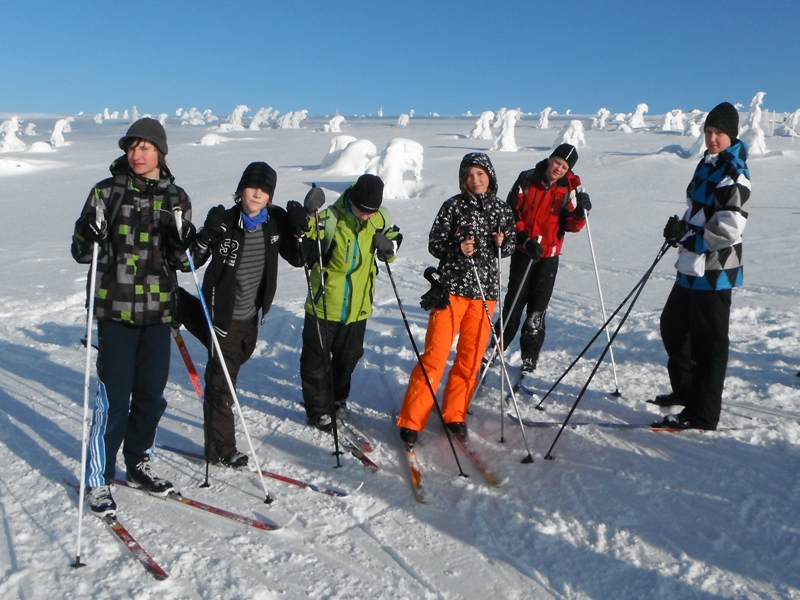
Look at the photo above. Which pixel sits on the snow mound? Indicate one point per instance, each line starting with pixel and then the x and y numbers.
pixel 212 139
pixel 353 159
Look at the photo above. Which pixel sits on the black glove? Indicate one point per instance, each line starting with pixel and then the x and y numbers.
pixel 314 199
pixel 583 205
pixel 89 229
pixel 383 246
pixel 675 229
pixel 186 237
pixel 533 248
pixel 298 218
pixel 214 228
pixel 437 296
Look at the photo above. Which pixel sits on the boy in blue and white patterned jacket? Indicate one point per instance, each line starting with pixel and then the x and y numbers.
pixel 694 322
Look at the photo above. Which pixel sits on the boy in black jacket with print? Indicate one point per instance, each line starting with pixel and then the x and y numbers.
pixel 243 242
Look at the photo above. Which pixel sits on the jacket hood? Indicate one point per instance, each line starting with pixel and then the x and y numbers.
pixel 477 159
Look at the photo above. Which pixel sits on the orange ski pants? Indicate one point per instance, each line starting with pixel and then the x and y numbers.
pixel 464 316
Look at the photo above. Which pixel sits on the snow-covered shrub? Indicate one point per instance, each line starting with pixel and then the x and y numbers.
pixel 400 157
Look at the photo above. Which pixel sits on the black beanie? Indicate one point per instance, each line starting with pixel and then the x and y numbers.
pixel 724 117
pixel 367 193
pixel 568 153
pixel 146 129
pixel 258 175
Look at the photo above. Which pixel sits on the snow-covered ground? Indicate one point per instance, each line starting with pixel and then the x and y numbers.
pixel 618 513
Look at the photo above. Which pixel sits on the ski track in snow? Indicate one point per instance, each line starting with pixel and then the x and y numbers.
pixel 618 513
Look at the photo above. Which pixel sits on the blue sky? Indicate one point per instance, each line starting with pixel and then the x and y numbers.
pixel 431 56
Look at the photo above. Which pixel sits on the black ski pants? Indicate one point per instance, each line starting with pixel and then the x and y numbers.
pixel 237 347
pixel 219 427
pixel 535 292
pixel 345 347
pixel 694 330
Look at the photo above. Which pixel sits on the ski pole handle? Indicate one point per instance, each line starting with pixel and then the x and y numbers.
pixel 178 214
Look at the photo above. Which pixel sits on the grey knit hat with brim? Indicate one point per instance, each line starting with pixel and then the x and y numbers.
pixel 146 129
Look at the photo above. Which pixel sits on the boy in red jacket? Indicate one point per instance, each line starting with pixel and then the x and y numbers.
pixel 547 201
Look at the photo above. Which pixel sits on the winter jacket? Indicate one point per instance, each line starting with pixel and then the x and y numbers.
pixel 718 198
pixel 219 282
pixel 350 266
pixel 136 280
pixel 542 210
pixel 461 217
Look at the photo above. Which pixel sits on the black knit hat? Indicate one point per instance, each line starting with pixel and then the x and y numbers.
pixel 258 175
pixel 568 153
pixel 367 193
pixel 724 117
pixel 146 129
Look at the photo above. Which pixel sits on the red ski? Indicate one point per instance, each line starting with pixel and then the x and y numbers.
pixel 134 547
pixel 220 512
pixel 187 360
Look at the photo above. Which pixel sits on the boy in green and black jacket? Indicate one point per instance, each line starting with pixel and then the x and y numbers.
pixel 351 231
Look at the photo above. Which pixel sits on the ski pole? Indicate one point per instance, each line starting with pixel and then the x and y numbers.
pixel 424 371
pixel 595 336
pixel 616 392
pixel 485 368
pixel 178 218
pixel 660 254
pixel 313 198
pixel 86 382
pixel 500 345
pixel 528 459
pixel 326 359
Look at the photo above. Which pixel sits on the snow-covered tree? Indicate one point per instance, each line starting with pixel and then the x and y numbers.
pixel 483 127
pixel 544 118
pixel 61 127
pixel 673 121
pixel 292 120
pixel 637 119
pixel 506 141
pixel 571 133
pixel 260 118
pixel 789 126
pixel 599 120
pixel 10 141
pixel 335 124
